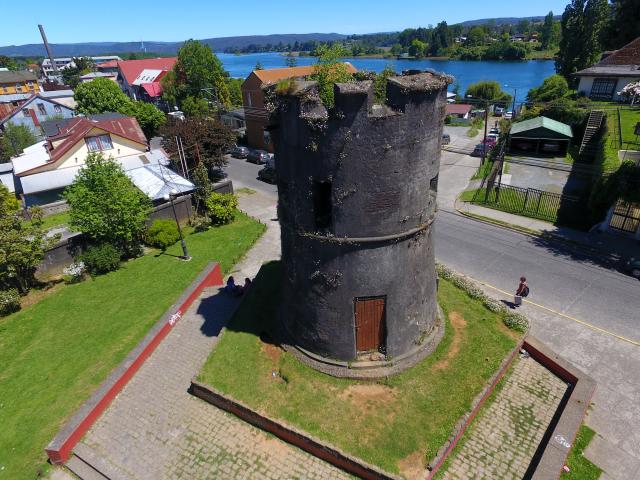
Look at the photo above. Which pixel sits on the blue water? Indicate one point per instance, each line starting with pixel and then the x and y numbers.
pixel 520 76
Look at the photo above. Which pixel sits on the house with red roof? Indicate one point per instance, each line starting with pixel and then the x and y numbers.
pixel 140 79
pixel 459 110
pixel 44 170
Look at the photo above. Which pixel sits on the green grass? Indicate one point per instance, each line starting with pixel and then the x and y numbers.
pixel 55 220
pixel 55 353
pixel 245 190
pixel 412 413
pixel 542 54
pixel 581 468
pixel 483 170
pixel 629 116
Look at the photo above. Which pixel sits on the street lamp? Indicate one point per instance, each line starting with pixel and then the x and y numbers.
pixel 169 197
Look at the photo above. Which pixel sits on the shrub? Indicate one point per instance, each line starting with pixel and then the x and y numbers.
pixel 201 224
pixel 162 234
pixel 221 207
pixel 74 272
pixel 9 301
pixel 101 258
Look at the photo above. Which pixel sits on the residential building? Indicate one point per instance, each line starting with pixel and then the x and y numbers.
pixel 256 116
pixel 140 79
pixel 234 119
pixel 540 136
pixel 35 110
pixel 45 169
pixel 8 103
pixel 12 83
pixel 605 79
pixel 459 110
pixel 67 62
pixel 93 75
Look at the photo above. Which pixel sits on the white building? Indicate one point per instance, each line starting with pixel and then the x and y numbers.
pixel 67 62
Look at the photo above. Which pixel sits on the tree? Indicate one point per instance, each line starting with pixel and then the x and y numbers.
pixel 15 139
pixel 291 61
pixel 22 243
pixel 195 106
pixel 440 38
pixel 329 71
pixel 582 24
pixel 8 62
pixel 82 66
pixel 211 137
pixel 106 206
pixel 476 37
pixel 553 88
pixel 489 91
pixel 198 68
pixel 625 23
pixel 103 95
pixel 234 86
pixel 549 33
pixel 417 48
pixel 258 66
pixel 523 26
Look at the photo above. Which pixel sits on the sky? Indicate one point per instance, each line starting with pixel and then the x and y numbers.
pixel 73 21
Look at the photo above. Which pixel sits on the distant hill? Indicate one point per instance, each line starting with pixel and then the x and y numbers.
pixel 505 20
pixel 216 44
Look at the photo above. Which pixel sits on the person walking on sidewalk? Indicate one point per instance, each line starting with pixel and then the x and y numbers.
pixel 522 291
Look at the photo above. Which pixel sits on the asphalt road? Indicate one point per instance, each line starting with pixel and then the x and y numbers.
pixel 562 279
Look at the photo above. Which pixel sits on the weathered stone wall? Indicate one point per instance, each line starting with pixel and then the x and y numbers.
pixel 357 188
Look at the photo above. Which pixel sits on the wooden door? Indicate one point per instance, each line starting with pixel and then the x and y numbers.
pixel 370 319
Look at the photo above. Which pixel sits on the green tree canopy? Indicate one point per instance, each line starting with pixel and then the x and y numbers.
pixel 418 48
pixel 489 91
pixel 235 91
pixel 8 62
pixel 291 61
pixel 106 206
pixel 198 68
pixel 22 243
pixel 103 95
pixel 476 37
pixel 329 70
pixel 553 88
pixel 625 23
pixel 549 32
pixel 14 140
pixel 195 106
pixel 583 23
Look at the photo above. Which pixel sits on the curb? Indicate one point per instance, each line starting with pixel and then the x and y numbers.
pixel 60 448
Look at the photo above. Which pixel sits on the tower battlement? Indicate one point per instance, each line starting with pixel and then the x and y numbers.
pixel 357 191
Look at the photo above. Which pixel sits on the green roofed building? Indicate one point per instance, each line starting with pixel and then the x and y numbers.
pixel 540 136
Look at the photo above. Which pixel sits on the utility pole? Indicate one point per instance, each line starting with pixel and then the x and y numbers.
pixel 48 48
pixel 486 122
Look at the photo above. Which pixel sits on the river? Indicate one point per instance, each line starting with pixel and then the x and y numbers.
pixel 513 76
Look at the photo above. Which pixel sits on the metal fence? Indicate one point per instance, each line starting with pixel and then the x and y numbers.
pixel 529 202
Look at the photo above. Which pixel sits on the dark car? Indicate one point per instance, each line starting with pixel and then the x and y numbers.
pixel 259 157
pixel 633 267
pixel 267 174
pixel 239 152
pixel 480 150
pixel 446 139
pixel 217 174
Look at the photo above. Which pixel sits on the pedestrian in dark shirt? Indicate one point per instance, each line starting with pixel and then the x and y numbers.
pixel 522 291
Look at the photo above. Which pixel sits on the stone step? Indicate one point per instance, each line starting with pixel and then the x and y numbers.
pixel 83 470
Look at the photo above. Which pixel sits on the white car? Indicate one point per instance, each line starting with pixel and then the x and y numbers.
pixel 508 115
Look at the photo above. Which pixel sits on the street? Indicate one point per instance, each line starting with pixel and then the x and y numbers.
pixel 579 306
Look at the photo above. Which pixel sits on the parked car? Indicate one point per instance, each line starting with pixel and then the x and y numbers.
pixel 258 157
pixel 495 130
pixel 508 115
pixel 239 152
pixel 498 111
pixel 217 174
pixel 479 150
pixel 446 139
pixel 633 267
pixel 267 174
pixel 493 136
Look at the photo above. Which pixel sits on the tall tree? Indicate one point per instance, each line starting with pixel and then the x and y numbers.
pixel 489 91
pixel 291 61
pixel 440 38
pixel 197 69
pixel 625 23
pixel 582 26
pixel 553 88
pixel 14 140
pixel 548 36
pixel 106 206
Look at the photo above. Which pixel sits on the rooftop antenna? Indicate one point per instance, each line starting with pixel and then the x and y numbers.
pixel 48 48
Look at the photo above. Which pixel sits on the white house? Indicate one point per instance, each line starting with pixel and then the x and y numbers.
pixel 607 78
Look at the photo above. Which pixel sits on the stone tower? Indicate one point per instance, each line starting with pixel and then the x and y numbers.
pixel 357 198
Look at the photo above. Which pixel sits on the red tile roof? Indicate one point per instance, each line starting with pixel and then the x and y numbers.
pixel 458 108
pixel 130 69
pixel 154 89
pixel 272 75
pixel 75 130
pixel 627 55
pixel 109 64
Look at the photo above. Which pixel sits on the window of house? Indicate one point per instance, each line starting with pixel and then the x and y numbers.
pixel 98 143
pixel 322 205
pixel 18 87
pixel 603 88
pixel 25 112
pixel 57 108
pixel 249 99
pixel 42 109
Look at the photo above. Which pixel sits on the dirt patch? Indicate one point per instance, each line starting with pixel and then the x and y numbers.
pixel 272 351
pixel 271 446
pixel 459 324
pixel 412 467
pixel 364 395
pixel 36 295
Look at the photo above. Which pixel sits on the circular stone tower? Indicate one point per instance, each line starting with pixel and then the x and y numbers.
pixel 357 199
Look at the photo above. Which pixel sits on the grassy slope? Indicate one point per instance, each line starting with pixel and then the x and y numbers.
pixel 418 417
pixel 55 353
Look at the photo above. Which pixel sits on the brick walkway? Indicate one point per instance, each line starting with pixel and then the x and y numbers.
pixel 154 429
pixel 502 442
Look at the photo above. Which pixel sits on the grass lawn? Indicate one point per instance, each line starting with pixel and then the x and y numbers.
pixel 55 220
pixel 55 353
pixel 629 117
pixel 581 468
pixel 398 423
